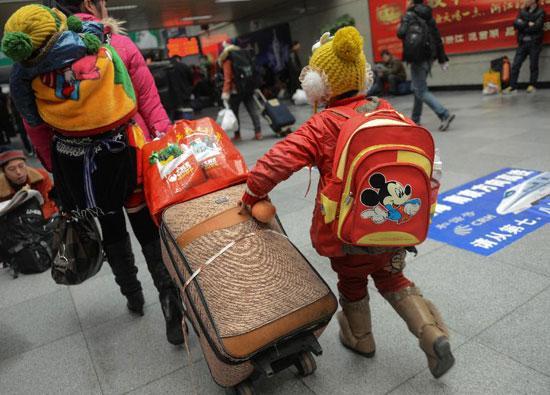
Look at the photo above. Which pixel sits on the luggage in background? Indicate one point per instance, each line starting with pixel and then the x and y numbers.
pixel 255 302
pixel 275 113
pixel 491 82
pixel 26 238
pixel 502 66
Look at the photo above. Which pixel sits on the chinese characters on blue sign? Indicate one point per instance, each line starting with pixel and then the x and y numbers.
pixel 494 211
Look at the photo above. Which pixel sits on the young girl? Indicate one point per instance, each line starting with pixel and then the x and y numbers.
pixel 337 75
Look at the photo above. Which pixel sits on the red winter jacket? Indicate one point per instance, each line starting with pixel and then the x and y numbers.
pixel 313 144
pixel 151 116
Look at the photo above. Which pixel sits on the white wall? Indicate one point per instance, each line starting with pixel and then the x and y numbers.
pixel 468 69
pixel 306 19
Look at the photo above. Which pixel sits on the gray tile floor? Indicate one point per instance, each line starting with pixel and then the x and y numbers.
pixel 81 340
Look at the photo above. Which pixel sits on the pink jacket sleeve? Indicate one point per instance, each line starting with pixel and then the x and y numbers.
pixel 41 137
pixel 149 105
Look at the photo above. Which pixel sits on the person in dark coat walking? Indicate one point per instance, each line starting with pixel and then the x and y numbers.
pixel 530 27
pixel 419 18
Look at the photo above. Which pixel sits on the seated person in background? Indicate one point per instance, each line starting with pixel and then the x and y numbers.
pixel 16 174
pixel 392 71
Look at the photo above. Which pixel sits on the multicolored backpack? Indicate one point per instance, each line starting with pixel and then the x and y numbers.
pixel 93 95
pixel 380 190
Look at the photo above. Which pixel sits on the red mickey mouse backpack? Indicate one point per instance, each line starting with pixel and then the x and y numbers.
pixel 381 191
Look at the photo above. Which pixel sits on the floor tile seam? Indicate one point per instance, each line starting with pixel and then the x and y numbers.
pixel 511 358
pixel 152 381
pixel 302 380
pixel 95 326
pixel 421 255
pixel 422 371
pixel 476 335
pixel 530 270
pixel 38 347
pixel 31 299
pixel 403 383
pixel 94 367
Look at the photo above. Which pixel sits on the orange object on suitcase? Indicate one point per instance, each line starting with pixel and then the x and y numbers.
pixel 192 159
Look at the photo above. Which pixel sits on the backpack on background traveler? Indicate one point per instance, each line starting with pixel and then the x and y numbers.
pixel 502 66
pixel 26 237
pixel 418 45
pixel 244 73
pixel 381 192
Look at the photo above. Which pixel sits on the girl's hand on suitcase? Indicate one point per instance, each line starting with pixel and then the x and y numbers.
pixel 249 199
pixel 245 210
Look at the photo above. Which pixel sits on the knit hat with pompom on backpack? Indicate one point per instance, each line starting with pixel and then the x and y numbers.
pixel 34 27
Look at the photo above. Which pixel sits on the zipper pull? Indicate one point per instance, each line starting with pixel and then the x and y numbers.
pixel 349 199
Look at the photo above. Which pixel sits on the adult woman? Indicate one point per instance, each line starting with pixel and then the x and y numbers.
pixel 114 178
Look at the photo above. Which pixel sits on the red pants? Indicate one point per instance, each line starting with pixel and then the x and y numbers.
pixel 353 272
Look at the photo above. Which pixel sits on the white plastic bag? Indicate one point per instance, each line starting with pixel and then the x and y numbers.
pixel 299 97
pixel 227 120
pixel 490 89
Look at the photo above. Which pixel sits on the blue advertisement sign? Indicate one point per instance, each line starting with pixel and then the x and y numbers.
pixel 494 211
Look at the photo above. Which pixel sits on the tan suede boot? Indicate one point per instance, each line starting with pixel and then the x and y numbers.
pixel 355 327
pixel 425 322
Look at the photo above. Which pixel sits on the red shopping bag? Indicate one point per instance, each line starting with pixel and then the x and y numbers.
pixel 192 159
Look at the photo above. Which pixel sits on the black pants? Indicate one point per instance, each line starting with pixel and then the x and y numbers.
pixel 532 50
pixel 113 180
pixel 377 88
pixel 113 227
pixel 235 102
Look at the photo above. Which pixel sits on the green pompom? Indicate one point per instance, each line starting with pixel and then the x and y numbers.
pixel 92 43
pixel 74 24
pixel 17 46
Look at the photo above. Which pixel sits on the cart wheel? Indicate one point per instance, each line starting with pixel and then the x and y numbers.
pixel 245 388
pixel 306 364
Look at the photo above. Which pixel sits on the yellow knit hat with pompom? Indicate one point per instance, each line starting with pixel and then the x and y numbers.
pixel 343 61
pixel 29 28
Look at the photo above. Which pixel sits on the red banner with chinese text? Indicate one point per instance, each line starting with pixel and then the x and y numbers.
pixel 466 26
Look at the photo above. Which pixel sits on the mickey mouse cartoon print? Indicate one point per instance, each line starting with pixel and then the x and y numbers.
pixel 388 201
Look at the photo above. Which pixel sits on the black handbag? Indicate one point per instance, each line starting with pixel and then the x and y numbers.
pixel 79 251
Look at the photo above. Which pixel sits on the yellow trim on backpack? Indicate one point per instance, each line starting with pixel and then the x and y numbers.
pixel 329 208
pixel 432 210
pixel 388 239
pixel 417 159
pixel 369 124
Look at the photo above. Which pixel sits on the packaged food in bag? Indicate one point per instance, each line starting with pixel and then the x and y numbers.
pixel 192 159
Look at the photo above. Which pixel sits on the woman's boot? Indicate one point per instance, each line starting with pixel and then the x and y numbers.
pixel 355 326
pixel 168 294
pixel 425 322
pixel 121 260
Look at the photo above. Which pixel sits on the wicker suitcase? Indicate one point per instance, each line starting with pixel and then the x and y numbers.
pixel 254 301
